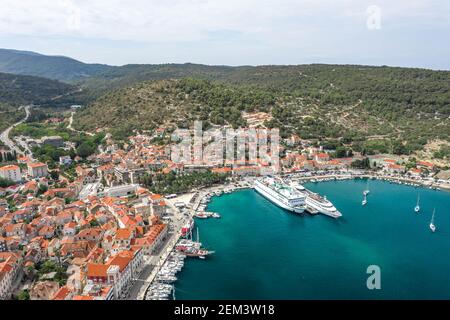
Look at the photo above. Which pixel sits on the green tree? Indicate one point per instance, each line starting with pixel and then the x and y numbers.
pixel 85 149
pixel 341 152
pixel 23 295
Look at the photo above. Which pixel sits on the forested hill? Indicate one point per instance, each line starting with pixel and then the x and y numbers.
pixel 19 90
pixel 351 108
pixel 383 89
pixel 52 67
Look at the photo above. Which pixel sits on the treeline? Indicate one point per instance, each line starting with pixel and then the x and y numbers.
pixel 179 183
pixel 20 90
pixel 84 147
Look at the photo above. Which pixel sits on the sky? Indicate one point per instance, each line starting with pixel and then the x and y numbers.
pixel 410 33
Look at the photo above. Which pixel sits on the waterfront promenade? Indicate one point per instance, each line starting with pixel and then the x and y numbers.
pixel 154 263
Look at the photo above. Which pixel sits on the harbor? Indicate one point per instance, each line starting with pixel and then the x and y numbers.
pixel 195 209
pixel 255 237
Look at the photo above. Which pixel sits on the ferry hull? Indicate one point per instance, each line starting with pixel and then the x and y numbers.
pixel 280 204
pixel 333 214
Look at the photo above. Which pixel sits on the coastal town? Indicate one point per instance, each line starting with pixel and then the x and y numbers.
pixel 99 232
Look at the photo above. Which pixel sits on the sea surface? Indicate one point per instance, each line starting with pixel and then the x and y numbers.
pixel 264 252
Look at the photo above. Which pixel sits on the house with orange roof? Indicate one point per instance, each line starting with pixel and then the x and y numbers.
pixel 11 172
pixel 10 265
pixel 425 165
pixel 6 280
pixel 23 160
pixel 90 234
pixel 64 293
pixel 37 169
pixel 18 229
pixel 47 232
pixel 21 215
pixel 152 239
pixel 76 249
pixel 395 168
pixel 117 272
pixel 56 203
pixel 61 193
pixel 62 218
pixel 415 172
pixel 69 229
pixel 322 157
pixel 122 239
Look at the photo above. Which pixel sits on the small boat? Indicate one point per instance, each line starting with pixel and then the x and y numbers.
pixel 364 202
pixel 201 216
pixel 432 226
pixel 417 207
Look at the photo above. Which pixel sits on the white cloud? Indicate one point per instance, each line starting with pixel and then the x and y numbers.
pixel 187 20
pixel 228 31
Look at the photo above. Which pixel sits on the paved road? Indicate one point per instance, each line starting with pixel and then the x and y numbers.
pixel 4 137
pixel 155 262
pixel 70 127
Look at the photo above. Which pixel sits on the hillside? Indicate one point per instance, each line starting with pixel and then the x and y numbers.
pixel 147 105
pixel 52 67
pixel 19 90
pixel 9 115
pixel 385 112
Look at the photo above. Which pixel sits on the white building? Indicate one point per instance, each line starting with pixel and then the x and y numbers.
pixel 65 160
pixel 37 170
pixel 120 191
pixel 9 270
pixel 11 172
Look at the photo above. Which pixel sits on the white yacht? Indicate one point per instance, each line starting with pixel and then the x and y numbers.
pixel 417 207
pixel 432 226
pixel 364 202
pixel 281 194
pixel 315 201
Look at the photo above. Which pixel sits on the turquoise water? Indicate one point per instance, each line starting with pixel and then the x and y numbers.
pixel 264 252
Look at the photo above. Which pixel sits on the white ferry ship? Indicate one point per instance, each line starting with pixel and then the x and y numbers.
pixel 317 202
pixel 281 194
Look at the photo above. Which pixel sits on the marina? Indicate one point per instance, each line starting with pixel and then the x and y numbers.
pixel 352 242
pixel 307 196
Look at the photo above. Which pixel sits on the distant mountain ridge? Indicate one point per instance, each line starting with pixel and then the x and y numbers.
pixel 52 67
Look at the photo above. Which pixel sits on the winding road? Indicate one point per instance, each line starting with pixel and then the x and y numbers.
pixel 4 137
pixel 70 127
